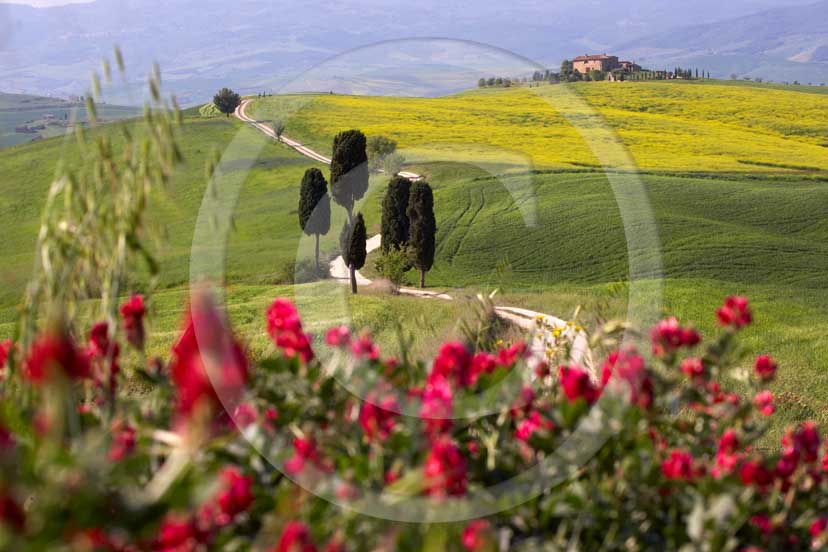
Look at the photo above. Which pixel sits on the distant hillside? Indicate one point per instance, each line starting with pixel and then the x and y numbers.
pixel 783 44
pixel 257 45
pixel 25 118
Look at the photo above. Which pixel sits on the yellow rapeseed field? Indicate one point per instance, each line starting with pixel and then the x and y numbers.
pixel 651 125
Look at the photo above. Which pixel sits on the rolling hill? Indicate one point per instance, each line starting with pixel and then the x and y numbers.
pixel 521 207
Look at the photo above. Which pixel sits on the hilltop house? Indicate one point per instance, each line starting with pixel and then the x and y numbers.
pixel 604 63
pixel 630 66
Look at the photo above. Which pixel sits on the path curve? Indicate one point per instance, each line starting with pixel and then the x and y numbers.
pixel 526 319
pixel 241 114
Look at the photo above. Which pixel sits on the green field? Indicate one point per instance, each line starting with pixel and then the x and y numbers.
pixel 734 175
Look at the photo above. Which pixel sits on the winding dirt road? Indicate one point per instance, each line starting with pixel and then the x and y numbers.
pixel 526 319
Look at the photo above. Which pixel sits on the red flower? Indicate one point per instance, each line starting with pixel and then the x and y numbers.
pixel 694 369
pixel 445 469
pixel 735 313
pixel 752 472
pixel 805 441
pixel 668 336
pixel 391 476
pixel 7 440
pixel 436 409
pixel 338 337
pixel 729 442
pixel 285 328
pixel 5 348
pixel 94 539
pixel 176 533
pixel 123 442
pixel 53 354
pixel 305 451
pixel 508 357
pixel 132 319
pixel 236 495
pixel 271 416
pixel 453 362
pixel 763 523
pixel 764 402
pixel 295 537
pixel 577 384
pixel 726 455
pixel 99 339
pixel 818 530
pixel 335 545
pixel 207 358
pixel 628 366
pixel 377 417
pixel 765 368
pixel 679 466
pixel 523 402
pixel 787 464
pixel 11 514
pixel 245 415
pixel 475 535
pixel 104 356
pixel 364 348
pixel 532 423
pixel 482 363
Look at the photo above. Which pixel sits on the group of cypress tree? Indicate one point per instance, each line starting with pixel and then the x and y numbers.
pixel 408 222
pixel 408 208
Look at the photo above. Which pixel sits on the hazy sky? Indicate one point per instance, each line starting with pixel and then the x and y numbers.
pixel 44 3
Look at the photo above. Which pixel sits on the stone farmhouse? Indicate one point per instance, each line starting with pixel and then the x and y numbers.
pixel 602 62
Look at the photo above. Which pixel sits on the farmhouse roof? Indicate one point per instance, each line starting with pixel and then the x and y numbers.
pixel 592 57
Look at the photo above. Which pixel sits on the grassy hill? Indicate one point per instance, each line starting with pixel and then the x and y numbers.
pixel 261 252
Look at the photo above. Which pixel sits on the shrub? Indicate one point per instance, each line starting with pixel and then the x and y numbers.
pixel 674 461
pixel 378 148
pixel 393 163
pixel 393 264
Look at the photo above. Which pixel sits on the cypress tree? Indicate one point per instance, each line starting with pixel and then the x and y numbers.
pixel 349 170
pixel 423 228
pixel 395 224
pixel 314 207
pixel 352 243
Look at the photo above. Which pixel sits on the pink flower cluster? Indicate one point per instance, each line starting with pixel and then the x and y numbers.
pixel 53 355
pixel 207 358
pixel 285 328
pixel 668 336
pixel 5 350
pixel 735 313
pixel 306 453
pixel 378 416
pixel 185 533
pixel 577 384
pixel 629 367
pixel 132 319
